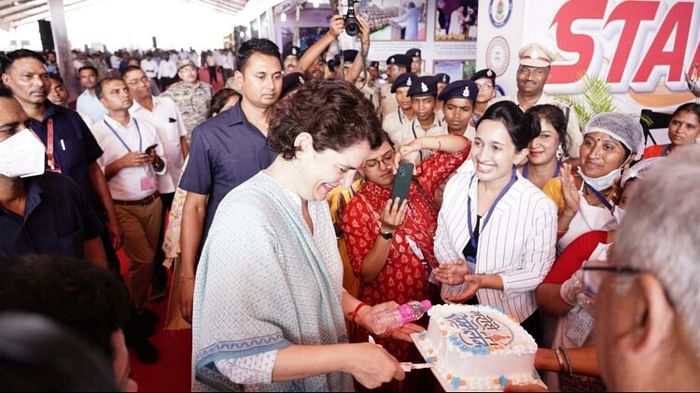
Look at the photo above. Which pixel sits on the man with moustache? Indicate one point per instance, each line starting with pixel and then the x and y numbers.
pixel 192 96
pixel 131 164
pixel 532 75
pixel 71 148
pixel 163 114
pixel 227 150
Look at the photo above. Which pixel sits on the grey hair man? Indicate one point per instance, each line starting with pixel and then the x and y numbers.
pixel 647 306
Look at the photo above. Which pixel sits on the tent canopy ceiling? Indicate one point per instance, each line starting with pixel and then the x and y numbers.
pixel 19 12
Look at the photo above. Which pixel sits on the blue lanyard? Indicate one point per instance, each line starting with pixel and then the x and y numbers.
pixel 556 171
pixel 122 140
pixel 487 217
pixel 601 198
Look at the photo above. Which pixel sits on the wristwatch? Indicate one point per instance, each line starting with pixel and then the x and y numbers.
pixel 388 235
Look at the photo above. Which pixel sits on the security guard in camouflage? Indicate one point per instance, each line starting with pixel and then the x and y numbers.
pixel 192 96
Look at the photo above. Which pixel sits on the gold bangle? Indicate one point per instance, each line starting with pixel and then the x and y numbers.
pixel 560 359
pixel 567 360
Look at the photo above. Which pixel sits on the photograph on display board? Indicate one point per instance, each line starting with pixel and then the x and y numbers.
pixel 456 20
pixel 456 69
pixel 309 35
pixel 395 20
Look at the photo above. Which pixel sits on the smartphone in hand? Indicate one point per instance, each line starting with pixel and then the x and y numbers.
pixel 402 181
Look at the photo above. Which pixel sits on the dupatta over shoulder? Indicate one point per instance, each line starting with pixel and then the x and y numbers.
pixel 263 284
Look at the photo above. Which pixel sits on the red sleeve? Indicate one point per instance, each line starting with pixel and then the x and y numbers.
pixel 438 167
pixel 574 255
pixel 360 229
pixel 653 151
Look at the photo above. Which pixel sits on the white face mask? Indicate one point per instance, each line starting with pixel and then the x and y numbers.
pixel 22 155
pixel 603 182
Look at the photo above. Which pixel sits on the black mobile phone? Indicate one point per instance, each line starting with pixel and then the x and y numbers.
pixel 149 149
pixel 402 181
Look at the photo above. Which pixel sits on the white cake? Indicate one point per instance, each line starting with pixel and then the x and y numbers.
pixel 477 348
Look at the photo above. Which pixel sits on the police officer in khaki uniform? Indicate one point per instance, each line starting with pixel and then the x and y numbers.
pixel 532 75
pixel 394 121
pixel 442 81
pixel 395 66
pixel 423 99
pixel 192 96
pixel 416 61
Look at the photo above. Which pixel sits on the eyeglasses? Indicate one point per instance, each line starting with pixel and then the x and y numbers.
pixel 387 159
pixel 143 79
pixel 592 277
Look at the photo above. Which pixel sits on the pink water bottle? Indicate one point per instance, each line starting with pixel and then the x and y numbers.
pixel 391 319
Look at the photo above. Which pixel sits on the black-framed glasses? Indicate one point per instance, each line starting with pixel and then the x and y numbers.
pixel 387 159
pixel 592 278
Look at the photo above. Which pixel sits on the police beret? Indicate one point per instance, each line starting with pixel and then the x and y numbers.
pixel 442 78
pixel 425 86
pixel 407 79
pixel 460 89
pixel 485 73
pixel 400 60
pixel 413 52
pixel 291 82
pixel 292 51
pixel 374 64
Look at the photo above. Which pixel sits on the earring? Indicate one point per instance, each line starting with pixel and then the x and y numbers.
pixel 560 152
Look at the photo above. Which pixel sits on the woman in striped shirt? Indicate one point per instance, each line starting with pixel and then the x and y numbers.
pixel 496 231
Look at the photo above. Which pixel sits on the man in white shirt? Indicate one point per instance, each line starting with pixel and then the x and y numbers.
pixel 163 114
pixel 167 69
pixel 88 103
pixel 131 166
pixel 150 66
pixel 531 77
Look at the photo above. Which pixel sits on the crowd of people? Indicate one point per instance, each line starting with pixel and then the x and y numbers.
pixel 284 239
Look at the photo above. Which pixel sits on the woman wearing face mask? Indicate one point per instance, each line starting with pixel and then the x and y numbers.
pixel 563 297
pixel 586 200
pixel 547 149
pixel 683 129
pixel 390 243
pixel 496 232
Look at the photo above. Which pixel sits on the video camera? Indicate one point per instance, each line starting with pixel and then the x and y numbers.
pixel 352 25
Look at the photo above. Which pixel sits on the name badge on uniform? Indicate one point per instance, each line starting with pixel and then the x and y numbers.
pixel 148 183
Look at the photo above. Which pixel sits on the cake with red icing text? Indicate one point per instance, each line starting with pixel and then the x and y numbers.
pixel 477 348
